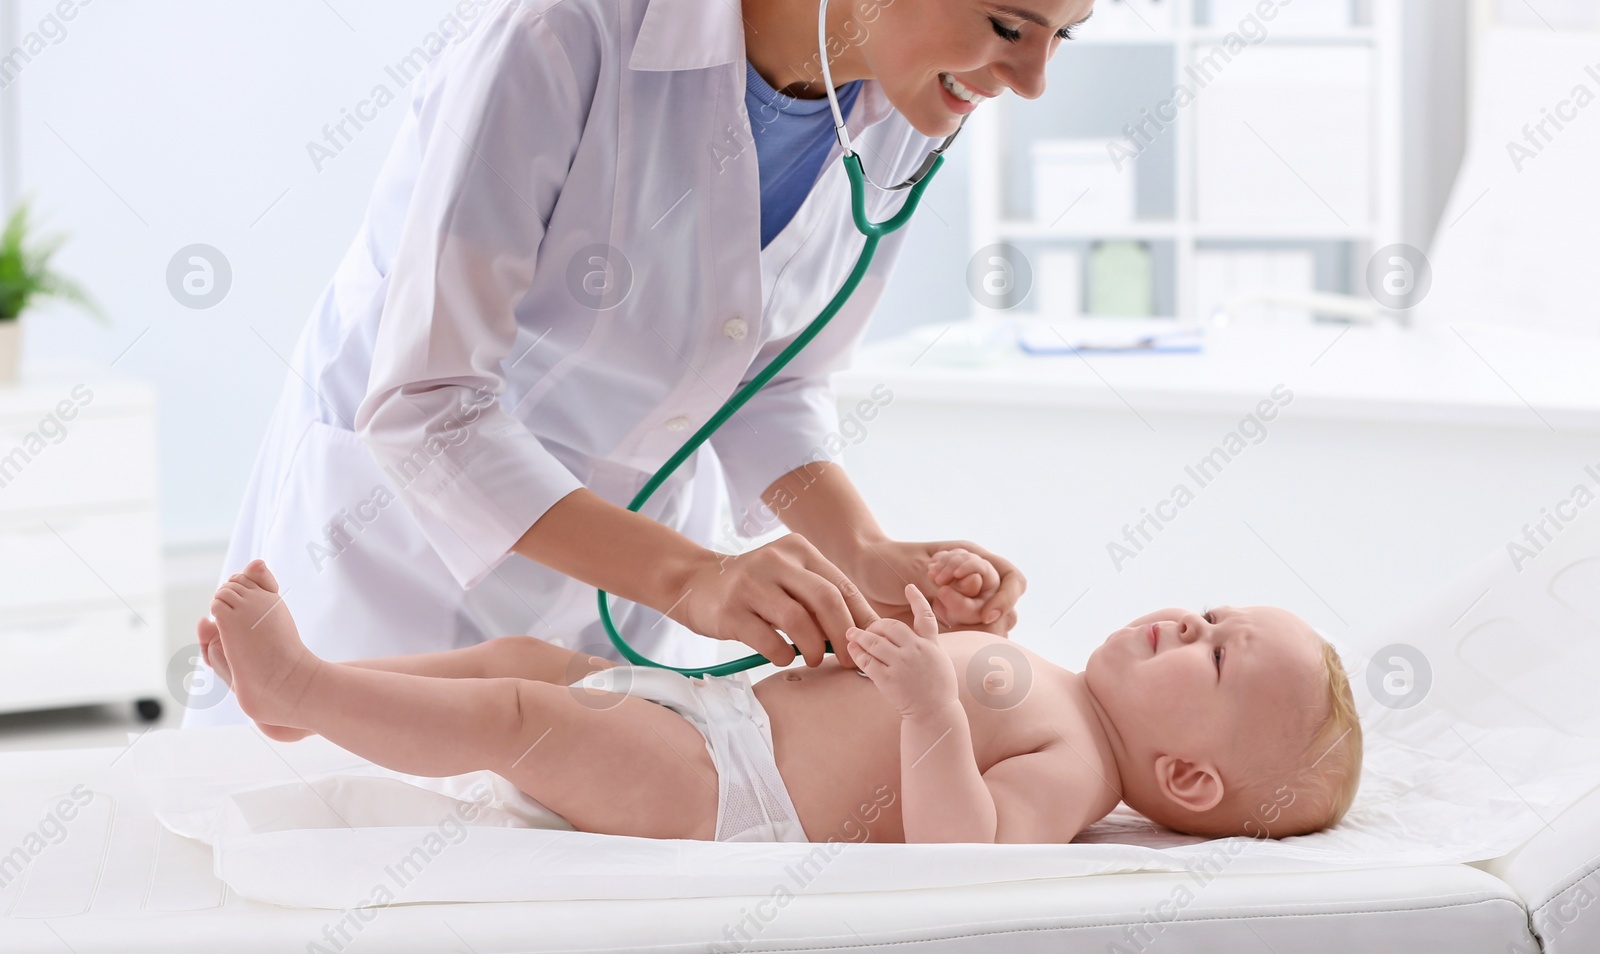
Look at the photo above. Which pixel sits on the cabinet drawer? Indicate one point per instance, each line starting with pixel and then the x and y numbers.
pixel 76 557
pixel 94 460
pixel 99 656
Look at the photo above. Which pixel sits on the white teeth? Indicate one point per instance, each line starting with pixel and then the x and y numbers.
pixel 960 91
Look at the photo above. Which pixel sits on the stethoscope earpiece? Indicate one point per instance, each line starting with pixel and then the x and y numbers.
pixel 838 116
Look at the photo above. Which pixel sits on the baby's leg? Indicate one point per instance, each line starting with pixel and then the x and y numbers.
pixel 524 657
pixel 633 767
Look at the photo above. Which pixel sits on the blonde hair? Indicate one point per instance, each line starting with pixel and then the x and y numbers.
pixel 1309 791
pixel 1338 744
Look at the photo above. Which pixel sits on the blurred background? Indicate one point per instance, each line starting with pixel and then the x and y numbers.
pixel 1381 207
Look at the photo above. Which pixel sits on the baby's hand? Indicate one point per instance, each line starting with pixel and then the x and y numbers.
pixel 965 579
pixel 907 665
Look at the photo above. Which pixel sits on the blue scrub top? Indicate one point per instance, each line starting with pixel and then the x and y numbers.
pixel 792 137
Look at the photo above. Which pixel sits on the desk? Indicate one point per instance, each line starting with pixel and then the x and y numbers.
pixel 1392 460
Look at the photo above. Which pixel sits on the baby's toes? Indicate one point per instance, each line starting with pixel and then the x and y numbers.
pixel 257 573
pixel 211 650
pixel 206 631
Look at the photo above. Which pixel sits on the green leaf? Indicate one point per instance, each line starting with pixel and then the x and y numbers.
pixel 25 272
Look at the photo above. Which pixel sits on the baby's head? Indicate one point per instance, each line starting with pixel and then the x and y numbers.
pixel 1238 721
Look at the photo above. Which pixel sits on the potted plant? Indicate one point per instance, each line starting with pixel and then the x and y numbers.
pixel 26 277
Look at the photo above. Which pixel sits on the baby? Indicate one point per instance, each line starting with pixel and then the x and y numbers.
pixel 1238 721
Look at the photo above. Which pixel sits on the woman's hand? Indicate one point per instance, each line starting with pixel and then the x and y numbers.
pixel 965 580
pixel 906 663
pixel 786 584
pixel 968 586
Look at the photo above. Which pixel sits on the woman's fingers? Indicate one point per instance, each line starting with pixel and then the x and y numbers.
pixel 785 585
pixel 836 603
pixel 1012 586
pixel 759 635
pixel 854 600
pixel 795 617
pixel 825 602
pixel 1004 600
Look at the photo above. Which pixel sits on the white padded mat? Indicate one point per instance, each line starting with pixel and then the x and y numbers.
pixel 1506 735
pixel 135 888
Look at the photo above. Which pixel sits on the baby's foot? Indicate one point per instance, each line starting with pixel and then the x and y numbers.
pixel 217 658
pixel 270 667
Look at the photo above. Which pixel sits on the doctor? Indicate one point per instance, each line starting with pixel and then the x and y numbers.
pixel 599 217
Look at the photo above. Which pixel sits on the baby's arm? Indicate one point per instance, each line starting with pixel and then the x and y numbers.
pixel 1039 796
pixel 1028 799
pixel 1031 798
pixel 943 798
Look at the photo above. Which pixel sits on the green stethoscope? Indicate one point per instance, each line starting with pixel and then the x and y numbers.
pixel 916 182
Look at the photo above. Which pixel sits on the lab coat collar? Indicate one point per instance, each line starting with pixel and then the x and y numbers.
pixel 696 34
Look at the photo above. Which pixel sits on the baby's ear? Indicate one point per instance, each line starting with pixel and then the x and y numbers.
pixel 1195 786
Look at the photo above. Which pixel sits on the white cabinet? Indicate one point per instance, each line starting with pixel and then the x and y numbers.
pixel 80 545
pixel 1235 133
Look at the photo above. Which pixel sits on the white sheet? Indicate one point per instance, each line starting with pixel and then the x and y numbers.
pixel 1508 736
pixel 135 888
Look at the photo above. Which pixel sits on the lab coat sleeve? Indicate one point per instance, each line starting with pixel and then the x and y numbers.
pixel 794 420
pixel 498 130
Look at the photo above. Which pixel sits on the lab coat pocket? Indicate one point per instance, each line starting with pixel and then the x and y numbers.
pixel 355 570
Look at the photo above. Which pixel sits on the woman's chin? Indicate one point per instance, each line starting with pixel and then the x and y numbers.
pixel 937 126
pixel 933 120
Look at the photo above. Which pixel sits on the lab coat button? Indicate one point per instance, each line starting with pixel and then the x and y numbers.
pixel 735 328
pixel 678 423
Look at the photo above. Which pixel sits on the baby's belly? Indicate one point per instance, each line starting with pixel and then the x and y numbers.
pixel 837 742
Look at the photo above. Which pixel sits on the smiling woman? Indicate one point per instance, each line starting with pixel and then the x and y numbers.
pixel 936 60
pixel 545 232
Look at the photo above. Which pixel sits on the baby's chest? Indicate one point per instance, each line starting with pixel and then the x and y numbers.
pixel 1015 718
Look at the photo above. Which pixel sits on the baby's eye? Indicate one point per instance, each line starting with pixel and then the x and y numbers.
pixel 1210 616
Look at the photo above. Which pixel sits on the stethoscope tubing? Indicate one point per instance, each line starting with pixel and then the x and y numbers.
pixel 873 232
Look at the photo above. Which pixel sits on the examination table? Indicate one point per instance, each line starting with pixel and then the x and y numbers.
pixel 1477 830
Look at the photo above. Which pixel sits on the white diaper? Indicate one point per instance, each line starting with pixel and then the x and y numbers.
pixel 752 801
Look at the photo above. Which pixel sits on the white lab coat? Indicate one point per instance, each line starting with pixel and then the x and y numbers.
pixel 472 362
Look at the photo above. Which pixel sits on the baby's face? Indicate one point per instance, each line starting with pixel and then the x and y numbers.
pixel 1176 682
